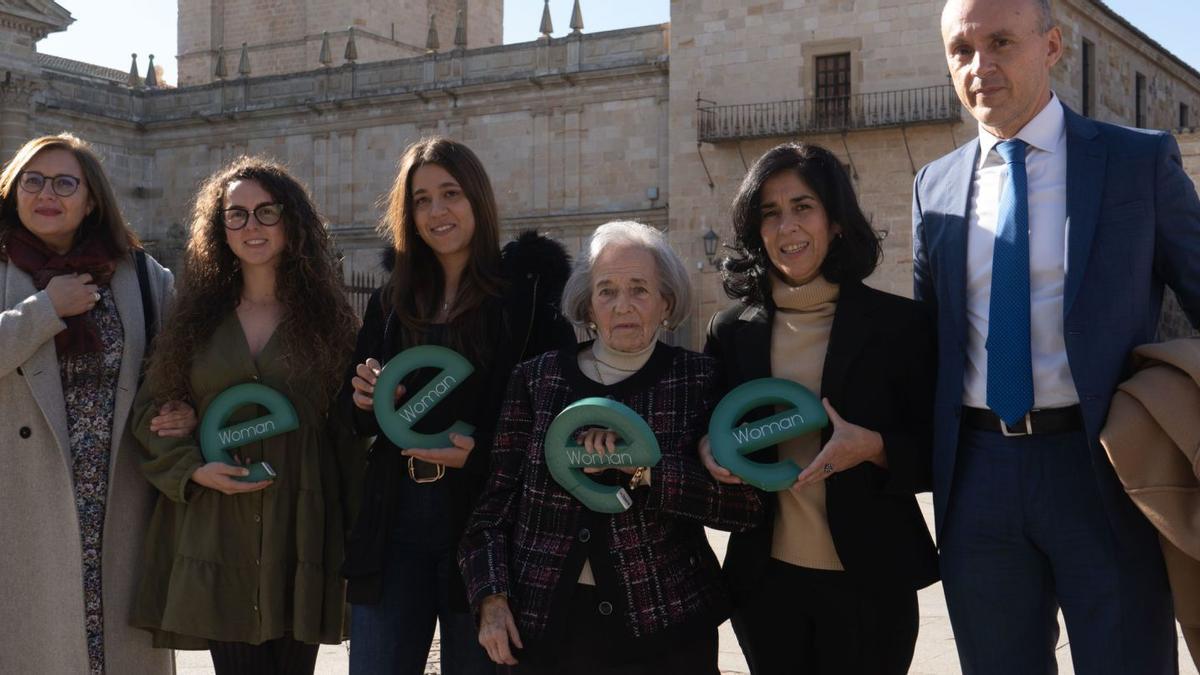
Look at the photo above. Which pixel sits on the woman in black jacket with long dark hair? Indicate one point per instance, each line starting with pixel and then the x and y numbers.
pixel 450 285
pixel 829 585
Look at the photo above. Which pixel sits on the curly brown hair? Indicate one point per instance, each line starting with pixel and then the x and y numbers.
pixel 318 325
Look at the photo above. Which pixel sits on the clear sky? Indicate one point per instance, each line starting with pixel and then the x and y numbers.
pixel 105 32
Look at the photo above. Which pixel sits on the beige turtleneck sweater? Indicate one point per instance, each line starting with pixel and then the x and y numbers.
pixel 799 340
pixel 609 366
pixel 605 365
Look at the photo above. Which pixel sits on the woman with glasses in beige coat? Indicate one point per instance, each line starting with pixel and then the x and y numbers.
pixel 74 508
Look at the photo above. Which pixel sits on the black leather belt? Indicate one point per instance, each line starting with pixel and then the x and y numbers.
pixel 419 471
pixel 1044 421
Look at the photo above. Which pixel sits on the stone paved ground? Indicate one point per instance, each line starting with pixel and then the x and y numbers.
pixel 935 653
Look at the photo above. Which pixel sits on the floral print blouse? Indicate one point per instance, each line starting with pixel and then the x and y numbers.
pixel 89 383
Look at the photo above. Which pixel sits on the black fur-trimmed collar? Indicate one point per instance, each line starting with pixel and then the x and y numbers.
pixel 532 254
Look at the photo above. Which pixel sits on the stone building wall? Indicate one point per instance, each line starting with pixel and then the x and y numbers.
pixel 1174 324
pixel 1121 54
pixel 284 36
pixel 573 133
pixel 484 22
pixel 765 51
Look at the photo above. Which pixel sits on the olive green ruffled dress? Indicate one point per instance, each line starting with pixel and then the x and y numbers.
pixel 250 567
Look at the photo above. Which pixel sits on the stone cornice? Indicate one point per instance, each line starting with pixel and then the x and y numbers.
pixel 17 90
pixel 37 18
pixel 359 34
pixel 458 97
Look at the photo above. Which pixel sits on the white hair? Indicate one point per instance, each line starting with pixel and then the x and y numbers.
pixel 674 283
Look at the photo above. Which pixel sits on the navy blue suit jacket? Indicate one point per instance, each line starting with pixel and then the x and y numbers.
pixel 1133 225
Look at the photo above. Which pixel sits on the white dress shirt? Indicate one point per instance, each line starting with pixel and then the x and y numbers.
pixel 1046 168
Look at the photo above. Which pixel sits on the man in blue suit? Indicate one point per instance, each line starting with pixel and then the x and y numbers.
pixel 1044 246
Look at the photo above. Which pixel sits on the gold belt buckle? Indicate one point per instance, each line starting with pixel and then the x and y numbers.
pixel 412 472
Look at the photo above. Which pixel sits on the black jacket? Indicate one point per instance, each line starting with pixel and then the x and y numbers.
pixel 879 373
pixel 535 269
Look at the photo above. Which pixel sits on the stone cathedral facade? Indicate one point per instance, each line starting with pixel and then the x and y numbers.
pixel 654 123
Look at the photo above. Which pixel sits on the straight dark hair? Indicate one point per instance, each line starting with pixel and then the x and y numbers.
pixel 852 256
pixel 416 288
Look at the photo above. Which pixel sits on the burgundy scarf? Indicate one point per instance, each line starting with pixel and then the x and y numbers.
pixel 91 256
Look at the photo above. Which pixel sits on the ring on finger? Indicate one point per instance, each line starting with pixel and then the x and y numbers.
pixel 96 296
pixel 828 468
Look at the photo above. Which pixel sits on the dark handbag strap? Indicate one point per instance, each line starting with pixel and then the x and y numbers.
pixel 148 313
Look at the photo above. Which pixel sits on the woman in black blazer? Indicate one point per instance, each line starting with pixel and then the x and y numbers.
pixel 828 584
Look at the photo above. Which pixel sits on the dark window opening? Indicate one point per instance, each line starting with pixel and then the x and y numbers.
pixel 1139 101
pixel 1089 60
pixel 833 91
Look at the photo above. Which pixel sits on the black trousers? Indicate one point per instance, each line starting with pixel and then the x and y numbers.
pixel 282 656
pixel 583 651
pixel 803 621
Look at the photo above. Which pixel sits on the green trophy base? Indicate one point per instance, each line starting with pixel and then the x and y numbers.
pixel 730 444
pixel 396 423
pixel 216 441
pixel 566 459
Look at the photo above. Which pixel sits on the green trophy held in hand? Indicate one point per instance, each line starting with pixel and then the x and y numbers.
pixel 216 441
pixel 397 423
pixel 566 458
pixel 730 444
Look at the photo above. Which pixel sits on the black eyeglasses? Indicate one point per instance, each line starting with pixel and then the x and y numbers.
pixel 266 214
pixel 63 185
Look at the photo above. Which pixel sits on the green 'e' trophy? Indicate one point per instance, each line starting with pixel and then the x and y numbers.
pixel 566 458
pixel 729 444
pixel 216 441
pixel 396 423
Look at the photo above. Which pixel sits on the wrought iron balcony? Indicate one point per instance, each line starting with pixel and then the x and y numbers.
pixel 877 110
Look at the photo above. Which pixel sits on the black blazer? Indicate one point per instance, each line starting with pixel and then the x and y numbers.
pixel 528 322
pixel 879 373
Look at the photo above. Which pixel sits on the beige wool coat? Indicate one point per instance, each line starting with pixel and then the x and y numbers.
pixel 1152 438
pixel 41 570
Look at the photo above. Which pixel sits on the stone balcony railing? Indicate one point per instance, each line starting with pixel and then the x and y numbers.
pixel 441 76
pixel 904 107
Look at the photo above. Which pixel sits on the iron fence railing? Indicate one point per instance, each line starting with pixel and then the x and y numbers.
pixel 830 114
pixel 359 287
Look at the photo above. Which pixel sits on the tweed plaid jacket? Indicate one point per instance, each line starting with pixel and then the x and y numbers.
pixel 655 572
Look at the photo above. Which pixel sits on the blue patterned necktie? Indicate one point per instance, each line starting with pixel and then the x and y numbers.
pixel 1009 358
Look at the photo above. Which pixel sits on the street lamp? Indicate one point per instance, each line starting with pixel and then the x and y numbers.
pixel 710 239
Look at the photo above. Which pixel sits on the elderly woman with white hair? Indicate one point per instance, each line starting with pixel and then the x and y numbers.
pixel 563 589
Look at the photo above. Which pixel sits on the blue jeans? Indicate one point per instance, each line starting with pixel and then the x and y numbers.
pixel 393 637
